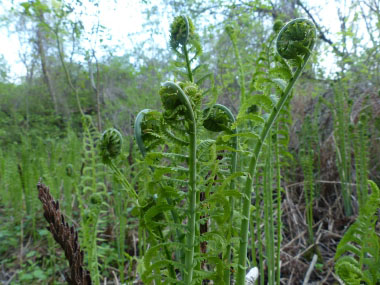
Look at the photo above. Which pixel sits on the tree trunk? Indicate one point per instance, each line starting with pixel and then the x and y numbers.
pixel 45 70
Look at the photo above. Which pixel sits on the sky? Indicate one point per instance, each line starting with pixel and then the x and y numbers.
pixel 124 23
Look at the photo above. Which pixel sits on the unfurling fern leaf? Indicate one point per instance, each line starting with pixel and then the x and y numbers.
pixel 296 39
pixel 147 130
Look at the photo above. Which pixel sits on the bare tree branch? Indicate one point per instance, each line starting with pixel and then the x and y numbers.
pixel 322 35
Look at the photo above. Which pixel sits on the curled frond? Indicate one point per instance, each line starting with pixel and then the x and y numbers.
pixel 147 130
pixel 230 30
pixel 173 99
pixel 110 144
pixel 218 119
pixel 181 30
pixel 296 39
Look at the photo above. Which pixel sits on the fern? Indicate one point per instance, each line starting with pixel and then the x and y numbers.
pixel 359 137
pixel 341 121
pixel 358 253
pixel 93 190
pixel 187 186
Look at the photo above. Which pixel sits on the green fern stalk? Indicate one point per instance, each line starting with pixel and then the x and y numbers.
pixel 307 167
pixel 279 223
pixel 259 234
pixel 342 148
pixel 139 139
pixel 232 35
pixel 90 187
pixel 268 213
pixel 257 150
pixel 188 66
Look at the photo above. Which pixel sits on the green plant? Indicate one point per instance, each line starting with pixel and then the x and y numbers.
pixel 92 195
pixel 341 135
pixel 360 141
pixel 294 42
pixel 180 125
pixel 188 187
pixel 358 253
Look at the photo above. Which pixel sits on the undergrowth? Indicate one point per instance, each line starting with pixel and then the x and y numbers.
pixel 204 200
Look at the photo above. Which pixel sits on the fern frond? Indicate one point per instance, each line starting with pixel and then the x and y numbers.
pixel 362 241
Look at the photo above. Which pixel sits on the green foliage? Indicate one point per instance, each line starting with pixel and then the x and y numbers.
pixel 360 142
pixel 92 195
pixel 341 121
pixel 180 213
pixel 358 253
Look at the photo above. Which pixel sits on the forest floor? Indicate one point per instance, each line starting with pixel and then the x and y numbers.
pixel 18 251
pixel 298 248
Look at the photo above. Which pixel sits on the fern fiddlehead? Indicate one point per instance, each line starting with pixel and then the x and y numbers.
pixel 181 32
pixel 110 147
pixel 110 144
pixel 147 130
pixel 294 43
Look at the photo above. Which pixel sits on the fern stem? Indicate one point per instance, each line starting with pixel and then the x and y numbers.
pixel 188 67
pixel 268 213
pixel 232 36
pixel 252 170
pixel 258 235
pixel 192 196
pixel 279 237
pixel 120 177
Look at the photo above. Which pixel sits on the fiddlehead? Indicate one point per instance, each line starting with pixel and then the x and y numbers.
pixel 181 102
pixel 218 118
pixel 187 96
pixel 147 130
pixel 296 39
pixel 180 30
pixel 110 145
pixel 184 41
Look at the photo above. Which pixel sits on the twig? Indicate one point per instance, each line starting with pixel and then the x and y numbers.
pixel 310 269
pixel 114 276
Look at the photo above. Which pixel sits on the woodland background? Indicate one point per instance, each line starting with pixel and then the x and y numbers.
pixel 41 127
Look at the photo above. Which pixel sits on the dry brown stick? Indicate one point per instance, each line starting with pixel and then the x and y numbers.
pixel 310 269
pixel 65 236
